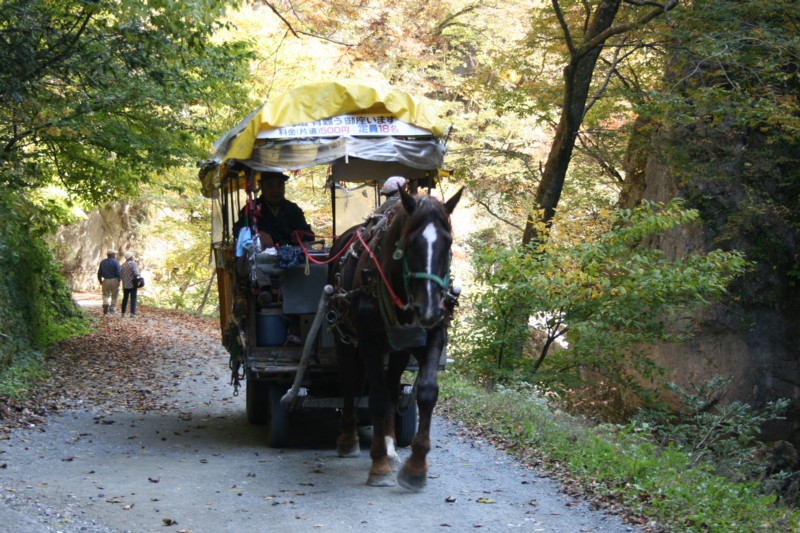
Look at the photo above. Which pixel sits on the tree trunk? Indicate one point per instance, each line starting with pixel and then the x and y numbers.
pixel 578 75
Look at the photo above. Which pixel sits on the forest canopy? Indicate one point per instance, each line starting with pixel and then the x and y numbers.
pixel 97 95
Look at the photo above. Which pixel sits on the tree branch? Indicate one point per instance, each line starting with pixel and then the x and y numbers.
pixel 449 20
pixel 587 8
pixel 602 88
pixel 564 27
pixel 600 38
pixel 280 16
pixel 604 164
pixel 495 215
pixel 298 33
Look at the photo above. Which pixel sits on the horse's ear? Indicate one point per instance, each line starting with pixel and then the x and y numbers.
pixel 409 203
pixel 450 204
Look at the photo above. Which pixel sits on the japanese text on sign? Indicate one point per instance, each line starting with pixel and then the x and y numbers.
pixel 346 126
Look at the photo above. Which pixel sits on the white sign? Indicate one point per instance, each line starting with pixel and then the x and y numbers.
pixel 347 126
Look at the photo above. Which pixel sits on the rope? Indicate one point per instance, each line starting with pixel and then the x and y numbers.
pixel 314 260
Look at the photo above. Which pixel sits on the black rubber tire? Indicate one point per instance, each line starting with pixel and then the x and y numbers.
pixel 278 425
pixel 256 401
pixel 405 425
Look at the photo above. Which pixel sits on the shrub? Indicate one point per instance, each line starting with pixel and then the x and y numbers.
pixel 594 284
pixel 708 431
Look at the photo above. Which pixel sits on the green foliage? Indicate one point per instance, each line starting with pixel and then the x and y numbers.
pixel 737 64
pixel 97 94
pixel 526 78
pixel 36 306
pixel 605 291
pixel 177 241
pixel 26 369
pixel 663 484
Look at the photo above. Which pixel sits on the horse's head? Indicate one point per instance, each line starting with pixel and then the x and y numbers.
pixel 424 250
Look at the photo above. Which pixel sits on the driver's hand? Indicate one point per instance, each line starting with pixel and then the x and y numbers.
pixel 266 240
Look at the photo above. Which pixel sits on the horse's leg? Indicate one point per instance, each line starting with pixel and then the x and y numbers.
pixel 398 361
pixel 413 475
pixel 372 348
pixel 347 442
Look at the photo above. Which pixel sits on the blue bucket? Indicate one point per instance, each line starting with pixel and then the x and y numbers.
pixel 271 328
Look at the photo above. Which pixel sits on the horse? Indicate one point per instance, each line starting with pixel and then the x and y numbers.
pixel 392 299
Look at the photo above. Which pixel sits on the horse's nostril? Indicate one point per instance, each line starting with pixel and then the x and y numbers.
pixel 428 316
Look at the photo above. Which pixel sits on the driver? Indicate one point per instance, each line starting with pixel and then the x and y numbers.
pixel 278 217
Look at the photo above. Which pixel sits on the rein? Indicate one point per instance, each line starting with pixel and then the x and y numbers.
pixel 321 261
pixel 399 253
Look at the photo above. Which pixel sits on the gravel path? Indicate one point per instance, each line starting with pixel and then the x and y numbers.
pixel 168 449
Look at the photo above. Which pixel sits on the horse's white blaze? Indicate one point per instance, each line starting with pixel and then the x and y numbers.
pixel 430 236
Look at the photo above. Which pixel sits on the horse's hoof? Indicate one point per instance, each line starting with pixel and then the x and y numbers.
pixel 412 482
pixel 380 480
pixel 349 449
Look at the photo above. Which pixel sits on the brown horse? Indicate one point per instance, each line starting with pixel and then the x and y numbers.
pixel 392 300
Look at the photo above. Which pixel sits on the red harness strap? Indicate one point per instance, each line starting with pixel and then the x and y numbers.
pixel 395 299
pixel 314 260
pixel 356 234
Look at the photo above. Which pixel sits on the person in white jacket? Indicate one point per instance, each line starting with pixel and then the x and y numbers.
pixel 129 272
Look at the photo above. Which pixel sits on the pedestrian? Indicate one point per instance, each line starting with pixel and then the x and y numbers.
pixel 129 272
pixel 108 274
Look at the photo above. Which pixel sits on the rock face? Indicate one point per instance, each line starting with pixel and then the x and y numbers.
pixel 748 201
pixel 81 246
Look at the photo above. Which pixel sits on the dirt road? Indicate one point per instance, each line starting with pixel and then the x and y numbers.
pixel 147 436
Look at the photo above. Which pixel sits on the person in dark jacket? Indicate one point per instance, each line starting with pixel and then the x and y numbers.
pixel 108 275
pixel 279 218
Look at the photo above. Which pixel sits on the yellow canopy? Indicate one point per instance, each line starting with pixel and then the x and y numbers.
pixel 322 100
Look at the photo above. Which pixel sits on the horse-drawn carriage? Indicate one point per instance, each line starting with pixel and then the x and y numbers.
pixel 291 316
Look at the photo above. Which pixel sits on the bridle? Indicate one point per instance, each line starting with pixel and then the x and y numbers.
pixel 408 274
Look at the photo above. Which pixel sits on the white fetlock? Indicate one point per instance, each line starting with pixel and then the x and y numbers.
pixel 391 452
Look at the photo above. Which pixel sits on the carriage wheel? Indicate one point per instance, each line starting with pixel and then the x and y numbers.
pixel 405 425
pixel 256 401
pixel 278 426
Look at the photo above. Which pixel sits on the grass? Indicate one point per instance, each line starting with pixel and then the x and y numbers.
pixel 16 380
pixel 616 466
